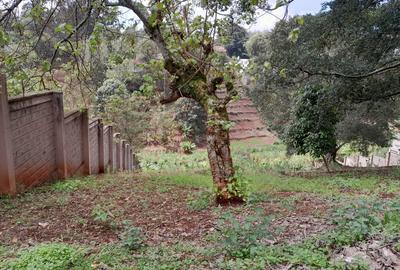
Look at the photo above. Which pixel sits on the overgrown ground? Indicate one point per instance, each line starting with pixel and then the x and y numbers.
pixel 165 218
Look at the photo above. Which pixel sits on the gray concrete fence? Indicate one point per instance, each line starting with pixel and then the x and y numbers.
pixel 40 143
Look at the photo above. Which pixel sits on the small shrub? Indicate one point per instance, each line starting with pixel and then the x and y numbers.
pixel 241 238
pixel 132 237
pixel 54 256
pixel 239 186
pixel 200 201
pixel 103 217
pixel 188 147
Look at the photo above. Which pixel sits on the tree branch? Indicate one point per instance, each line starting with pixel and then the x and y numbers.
pixel 349 76
pixel 9 10
pixel 88 13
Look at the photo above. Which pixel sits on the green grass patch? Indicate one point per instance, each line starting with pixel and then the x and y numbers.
pixel 53 256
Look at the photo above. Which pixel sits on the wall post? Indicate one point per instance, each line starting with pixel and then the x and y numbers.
pixel 117 151
pixel 130 159
pixel 388 158
pixel 61 161
pixel 110 161
pixel 7 169
pixel 123 163
pixel 85 142
pixel 100 132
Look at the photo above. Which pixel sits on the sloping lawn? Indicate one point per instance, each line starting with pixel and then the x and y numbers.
pixel 165 218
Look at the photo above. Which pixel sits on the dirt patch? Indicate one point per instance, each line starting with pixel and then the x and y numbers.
pixel 161 212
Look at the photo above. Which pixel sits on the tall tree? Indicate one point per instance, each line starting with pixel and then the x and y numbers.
pixel 186 41
pixel 350 49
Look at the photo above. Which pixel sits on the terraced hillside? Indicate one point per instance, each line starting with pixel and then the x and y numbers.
pixel 248 123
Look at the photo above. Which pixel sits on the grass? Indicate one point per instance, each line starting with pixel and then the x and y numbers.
pixel 165 217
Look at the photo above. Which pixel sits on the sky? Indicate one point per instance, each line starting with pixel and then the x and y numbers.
pixel 297 7
pixel 267 21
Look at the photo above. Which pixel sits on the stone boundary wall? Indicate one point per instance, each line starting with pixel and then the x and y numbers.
pixel 39 143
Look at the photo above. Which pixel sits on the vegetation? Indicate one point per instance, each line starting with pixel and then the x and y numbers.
pixel 349 53
pixel 147 221
pixel 326 84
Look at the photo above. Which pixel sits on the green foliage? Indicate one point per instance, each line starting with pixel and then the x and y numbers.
pixel 200 200
pixel 103 216
pixel 132 237
pixel 54 256
pixel 239 185
pixel 188 147
pixel 318 51
pixel 240 238
pixel 110 88
pixel 122 111
pixel 191 118
pixel 313 130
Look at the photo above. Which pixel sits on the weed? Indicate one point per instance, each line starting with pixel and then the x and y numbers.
pixel 188 147
pixel 103 217
pixel 200 200
pixel 54 256
pixel 239 238
pixel 112 256
pixel 180 256
pixel 132 237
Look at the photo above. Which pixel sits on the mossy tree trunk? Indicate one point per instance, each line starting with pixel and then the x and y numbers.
pixel 220 158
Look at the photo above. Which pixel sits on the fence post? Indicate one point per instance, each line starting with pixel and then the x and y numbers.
pixel 110 148
pixel 100 133
pixel 7 169
pixel 58 109
pixel 123 163
pixel 388 158
pixel 85 142
pixel 117 151
pixel 130 159
pixel 358 161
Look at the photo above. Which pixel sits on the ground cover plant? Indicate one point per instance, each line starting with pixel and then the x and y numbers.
pixel 168 219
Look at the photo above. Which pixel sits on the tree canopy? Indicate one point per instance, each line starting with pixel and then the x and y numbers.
pixel 351 48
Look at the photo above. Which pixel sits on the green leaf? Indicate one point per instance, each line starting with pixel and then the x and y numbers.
pixel 283 72
pixel 68 28
pixel 4 38
pixel 46 66
pixel 300 20
pixel 294 35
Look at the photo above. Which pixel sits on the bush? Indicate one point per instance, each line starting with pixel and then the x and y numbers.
pixel 54 256
pixel 200 201
pixel 188 147
pixel 241 238
pixel 132 237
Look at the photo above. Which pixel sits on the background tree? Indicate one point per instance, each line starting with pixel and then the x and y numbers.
pixel 351 48
pixel 236 41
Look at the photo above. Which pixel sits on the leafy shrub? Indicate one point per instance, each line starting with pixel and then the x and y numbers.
pixel 103 217
pixel 110 87
pixel 241 238
pixel 54 256
pixel 130 115
pixel 239 186
pixel 188 147
pixel 132 237
pixel 191 117
pixel 200 200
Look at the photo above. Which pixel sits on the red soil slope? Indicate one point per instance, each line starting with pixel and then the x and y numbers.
pixel 248 123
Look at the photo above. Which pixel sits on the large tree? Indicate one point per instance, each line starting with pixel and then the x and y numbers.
pixel 185 33
pixel 350 49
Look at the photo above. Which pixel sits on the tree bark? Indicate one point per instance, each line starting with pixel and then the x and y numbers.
pixel 220 158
